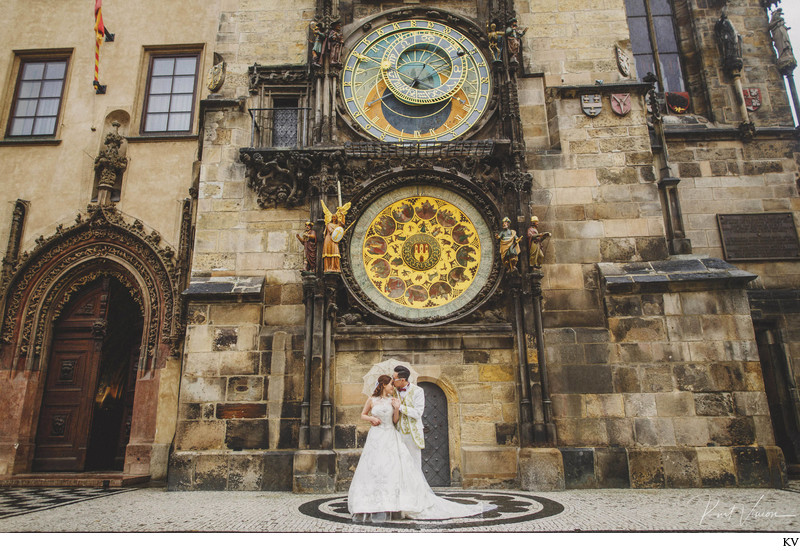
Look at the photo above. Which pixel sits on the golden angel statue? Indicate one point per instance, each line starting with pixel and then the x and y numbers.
pixel 334 231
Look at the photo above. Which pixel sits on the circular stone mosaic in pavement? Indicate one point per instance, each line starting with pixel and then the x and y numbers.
pixel 511 508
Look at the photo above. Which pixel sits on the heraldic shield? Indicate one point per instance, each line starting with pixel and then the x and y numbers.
pixel 592 104
pixel 621 104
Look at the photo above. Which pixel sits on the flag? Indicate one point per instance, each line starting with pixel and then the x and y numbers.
pixel 98 18
pixel 99 31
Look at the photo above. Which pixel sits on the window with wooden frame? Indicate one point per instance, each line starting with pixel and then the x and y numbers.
pixel 170 93
pixel 654 42
pixel 38 96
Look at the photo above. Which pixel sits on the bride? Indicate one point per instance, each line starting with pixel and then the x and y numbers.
pixel 387 479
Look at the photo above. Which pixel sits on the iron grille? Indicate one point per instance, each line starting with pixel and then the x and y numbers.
pixel 278 127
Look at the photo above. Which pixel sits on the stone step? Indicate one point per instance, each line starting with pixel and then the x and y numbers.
pixel 73 480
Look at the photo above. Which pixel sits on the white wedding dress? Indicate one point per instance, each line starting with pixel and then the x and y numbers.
pixel 388 480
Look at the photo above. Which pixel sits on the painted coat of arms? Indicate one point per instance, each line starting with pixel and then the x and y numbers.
pixel 592 104
pixel 621 104
pixel 752 98
pixel 678 102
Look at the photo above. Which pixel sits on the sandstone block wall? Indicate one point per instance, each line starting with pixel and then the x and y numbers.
pixel 674 369
pixel 477 372
pixel 241 387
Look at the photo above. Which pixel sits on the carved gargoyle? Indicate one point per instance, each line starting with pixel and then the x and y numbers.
pixel 278 180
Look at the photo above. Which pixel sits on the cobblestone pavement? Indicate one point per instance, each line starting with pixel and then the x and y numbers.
pixel 153 509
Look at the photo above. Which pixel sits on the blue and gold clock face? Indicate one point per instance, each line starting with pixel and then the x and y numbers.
pixel 416 80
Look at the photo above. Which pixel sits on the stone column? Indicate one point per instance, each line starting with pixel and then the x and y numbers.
pixel 14 240
pixel 526 412
pixel 309 285
pixel 536 294
pixel 331 282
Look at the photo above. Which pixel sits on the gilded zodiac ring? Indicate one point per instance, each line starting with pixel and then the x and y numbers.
pixel 422 254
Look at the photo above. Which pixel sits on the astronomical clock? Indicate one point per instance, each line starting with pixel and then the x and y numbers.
pixel 416 80
pixel 422 248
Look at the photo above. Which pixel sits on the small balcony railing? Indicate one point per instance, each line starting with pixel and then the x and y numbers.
pixel 279 127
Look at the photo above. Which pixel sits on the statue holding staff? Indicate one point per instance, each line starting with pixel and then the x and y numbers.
pixel 309 241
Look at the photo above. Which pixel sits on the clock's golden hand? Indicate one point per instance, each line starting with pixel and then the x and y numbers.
pixel 364 57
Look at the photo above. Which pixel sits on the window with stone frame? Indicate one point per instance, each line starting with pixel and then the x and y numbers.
pixel 655 44
pixel 38 96
pixel 281 119
pixel 170 94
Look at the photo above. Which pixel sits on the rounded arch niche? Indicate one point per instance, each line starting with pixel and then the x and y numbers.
pixel 422 249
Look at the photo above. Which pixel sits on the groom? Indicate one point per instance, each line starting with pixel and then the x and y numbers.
pixel 410 404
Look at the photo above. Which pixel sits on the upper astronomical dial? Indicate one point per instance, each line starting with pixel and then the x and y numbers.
pixel 416 80
pixel 423 67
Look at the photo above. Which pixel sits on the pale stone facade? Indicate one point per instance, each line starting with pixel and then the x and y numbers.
pixel 651 374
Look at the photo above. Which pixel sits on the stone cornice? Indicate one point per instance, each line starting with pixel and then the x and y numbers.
pixel 575 91
pixel 678 273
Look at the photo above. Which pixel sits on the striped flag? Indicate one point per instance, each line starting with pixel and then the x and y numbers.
pixel 99 31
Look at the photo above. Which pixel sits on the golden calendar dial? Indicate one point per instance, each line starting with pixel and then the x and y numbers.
pixel 421 253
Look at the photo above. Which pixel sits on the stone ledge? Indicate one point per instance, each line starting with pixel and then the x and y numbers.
pixel 548 469
pixel 679 273
pixel 231 470
pixel 229 288
pixel 530 469
pixel 573 91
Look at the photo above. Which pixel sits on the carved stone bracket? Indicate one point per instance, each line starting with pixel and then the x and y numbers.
pixel 288 178
pixel 517 181
pixel 259 75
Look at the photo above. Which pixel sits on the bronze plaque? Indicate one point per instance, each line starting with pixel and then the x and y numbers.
pixel 767 236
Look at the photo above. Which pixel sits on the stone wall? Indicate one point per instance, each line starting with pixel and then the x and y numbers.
pixel 596 193
pixel 673 385
pixel 240 400
pixel 161 170
pixel 243 363
pixel 475 367
pixel 712 90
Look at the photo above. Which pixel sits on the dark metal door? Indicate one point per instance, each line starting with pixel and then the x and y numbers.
pixel 777 377
pixel 436 454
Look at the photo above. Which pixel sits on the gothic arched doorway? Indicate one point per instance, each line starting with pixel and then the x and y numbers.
pixel 436 454
pixel 85 417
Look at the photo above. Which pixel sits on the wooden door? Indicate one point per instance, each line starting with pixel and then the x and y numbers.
pixel 774 369
pixel 436 453
pixel 67 403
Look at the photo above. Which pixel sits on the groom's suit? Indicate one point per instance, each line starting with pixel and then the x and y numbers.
pixel 412 405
